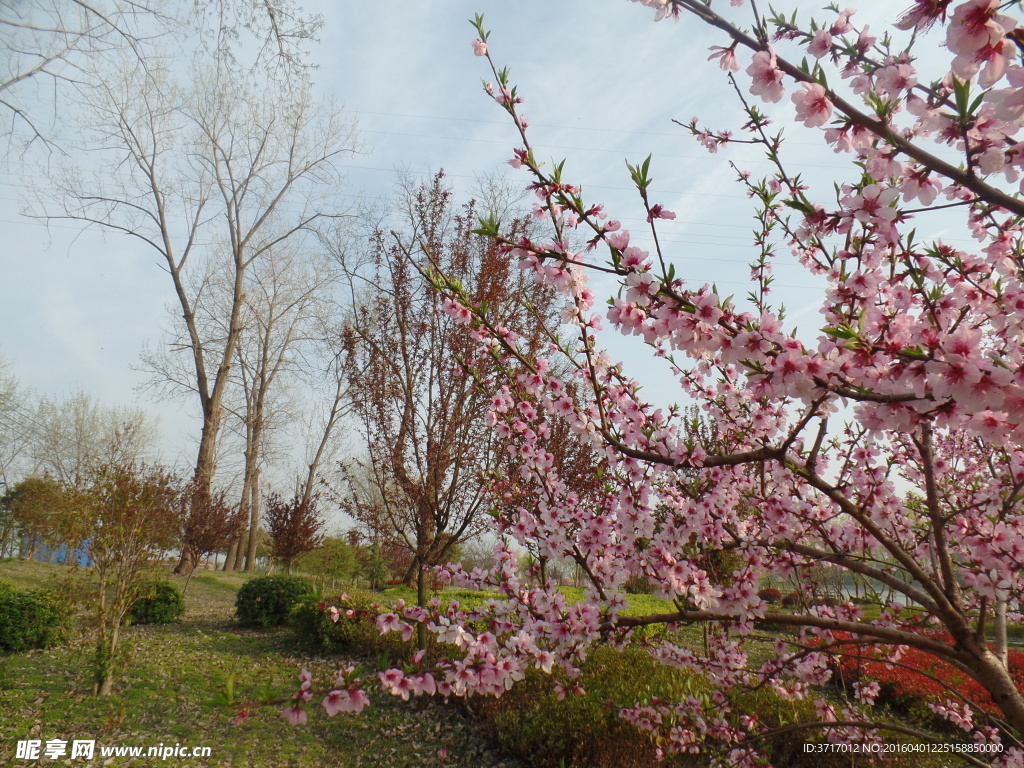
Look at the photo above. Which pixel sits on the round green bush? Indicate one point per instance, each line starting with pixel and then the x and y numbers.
pixel 354 632
pixel 31 619
pixel 268 600
pixel 161 604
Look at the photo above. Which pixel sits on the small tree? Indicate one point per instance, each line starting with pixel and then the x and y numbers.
pixel 35 509
pixel 334 559
pixel 127 515
pixel 208 524
pixel 294 527
pixel 421 414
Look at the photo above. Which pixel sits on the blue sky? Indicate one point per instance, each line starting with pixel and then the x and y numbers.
pixel 602 84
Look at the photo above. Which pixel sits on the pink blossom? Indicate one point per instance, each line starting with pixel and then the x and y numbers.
pixel 813 107
pixel 766 77
pixel 657 212
pixel 479 48
pixel 842 23
pixel 335 702
pixel 295 715
pixel 923 14
pixel 1008 103
pixel 895 78
pixel 920 185
pixel 726 58
pixel 618 240
pixel 821 44
pixel 993 61
pixel 975 25
pixel 873 203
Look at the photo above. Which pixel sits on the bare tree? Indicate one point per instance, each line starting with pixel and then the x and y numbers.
pixel 222 171
pixel 53 42
pixel 47 44
pixel 14 422
pixel 68 438
pixel 283 301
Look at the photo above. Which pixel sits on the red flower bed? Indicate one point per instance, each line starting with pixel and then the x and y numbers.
pixel 902 683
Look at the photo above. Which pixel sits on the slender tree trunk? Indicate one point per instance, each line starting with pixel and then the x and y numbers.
pixel 254 522
pixel 188 579
pixel 421 601
pixel 1001 650
pixel 107 684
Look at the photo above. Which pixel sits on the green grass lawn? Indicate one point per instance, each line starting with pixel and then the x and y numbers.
pixel 172 671
pixel 163 692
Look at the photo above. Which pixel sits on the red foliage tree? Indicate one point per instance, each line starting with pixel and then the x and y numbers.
pixel 209 524
pixel 295 527
pixel 422 413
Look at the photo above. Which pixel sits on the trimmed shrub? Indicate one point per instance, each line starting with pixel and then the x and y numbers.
pixel 268 600
pixel 162 604
pixel 31 619
pixel 355 632
pixel 793 600
pixel 638 585
pixel 770 595
pixel 582 730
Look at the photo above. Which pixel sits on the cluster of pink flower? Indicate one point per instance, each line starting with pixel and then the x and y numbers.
pixel 346 695
pixel 925 341
pixel 889 450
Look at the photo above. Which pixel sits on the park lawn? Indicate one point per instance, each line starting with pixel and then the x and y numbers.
pixel 172 671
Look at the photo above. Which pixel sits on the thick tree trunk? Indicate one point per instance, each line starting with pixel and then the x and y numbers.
pixel 206 465
pixel 229 559
pixel 239 557
pixel 410 573
pixel 1004 692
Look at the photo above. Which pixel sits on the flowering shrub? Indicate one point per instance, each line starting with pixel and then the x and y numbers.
pixel 532 721
pixel 346 623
